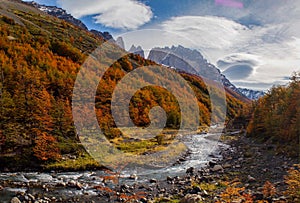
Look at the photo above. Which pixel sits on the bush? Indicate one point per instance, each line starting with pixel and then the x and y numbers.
pixel 293 182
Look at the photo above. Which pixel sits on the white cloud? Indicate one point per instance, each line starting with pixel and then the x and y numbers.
pixel 206 31
pixel 271 51
pixel 270 45
pixel 124 14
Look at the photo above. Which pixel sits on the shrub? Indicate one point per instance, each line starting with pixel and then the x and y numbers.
pixel 293 182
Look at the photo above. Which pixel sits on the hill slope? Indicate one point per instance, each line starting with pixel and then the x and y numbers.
pixel 276 117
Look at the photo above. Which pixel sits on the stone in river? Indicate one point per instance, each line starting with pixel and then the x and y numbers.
pixel 133 177
pixel 190 170
pixel 212 163
pixel 153 181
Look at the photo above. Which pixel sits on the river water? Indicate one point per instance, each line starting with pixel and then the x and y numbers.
pixel 202 149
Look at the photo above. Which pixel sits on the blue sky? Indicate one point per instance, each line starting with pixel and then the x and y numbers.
pixel 255 42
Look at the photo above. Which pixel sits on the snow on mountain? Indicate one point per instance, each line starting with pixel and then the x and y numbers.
pixel 252 94
pixel 62 14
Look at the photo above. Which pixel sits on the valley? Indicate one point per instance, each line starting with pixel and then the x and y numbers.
pixel 84 120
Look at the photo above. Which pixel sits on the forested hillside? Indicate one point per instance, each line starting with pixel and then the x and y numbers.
pixel 40 57
pixel 276 117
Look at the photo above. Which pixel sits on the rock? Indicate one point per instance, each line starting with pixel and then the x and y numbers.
pixel 205 193
pixel 237 201
pixel 79 186
pixel 74 184
pixel 143 200
pixel 153 181
pixel 31 197
pixel 278 199
pixel 61 184
pixel 227 165
pixel 251 179
pixel 191 198
pixel 182 159
pixel 258 196
pixel 133 177
pixel 217 168
pixel 169 178
pixel 195 190
pixel 15 200
pixel 190 170
pixel 11 38
pixel 212 163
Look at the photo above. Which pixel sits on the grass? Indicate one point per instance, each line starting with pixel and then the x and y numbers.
pixel 139 147
pixel 83 162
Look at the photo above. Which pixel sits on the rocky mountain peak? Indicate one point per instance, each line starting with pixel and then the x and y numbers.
pixel 137 50
pixel 62 14
pixel 252 94
pixel 59 13
pixel 120 42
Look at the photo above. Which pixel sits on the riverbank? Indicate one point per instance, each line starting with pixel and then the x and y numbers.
pixel 245 167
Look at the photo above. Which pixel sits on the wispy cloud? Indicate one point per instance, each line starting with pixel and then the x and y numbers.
pixel 207 31
pixel 123 14
pixel 258 53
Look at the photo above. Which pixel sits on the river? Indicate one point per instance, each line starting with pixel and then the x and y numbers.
pixel 202 149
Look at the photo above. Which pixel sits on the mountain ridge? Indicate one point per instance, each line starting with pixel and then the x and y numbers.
pixel 190 61
pixel 252 94
pixel 62 14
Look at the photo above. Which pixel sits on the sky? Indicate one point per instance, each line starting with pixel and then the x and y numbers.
pixel 255 43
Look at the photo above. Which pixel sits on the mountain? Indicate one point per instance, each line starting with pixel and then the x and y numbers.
pixel 105 35
pixel 252 94
pixel 120 42
pixel 190 61
pixel 59 13
pixel 137 50
pixel 62 14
